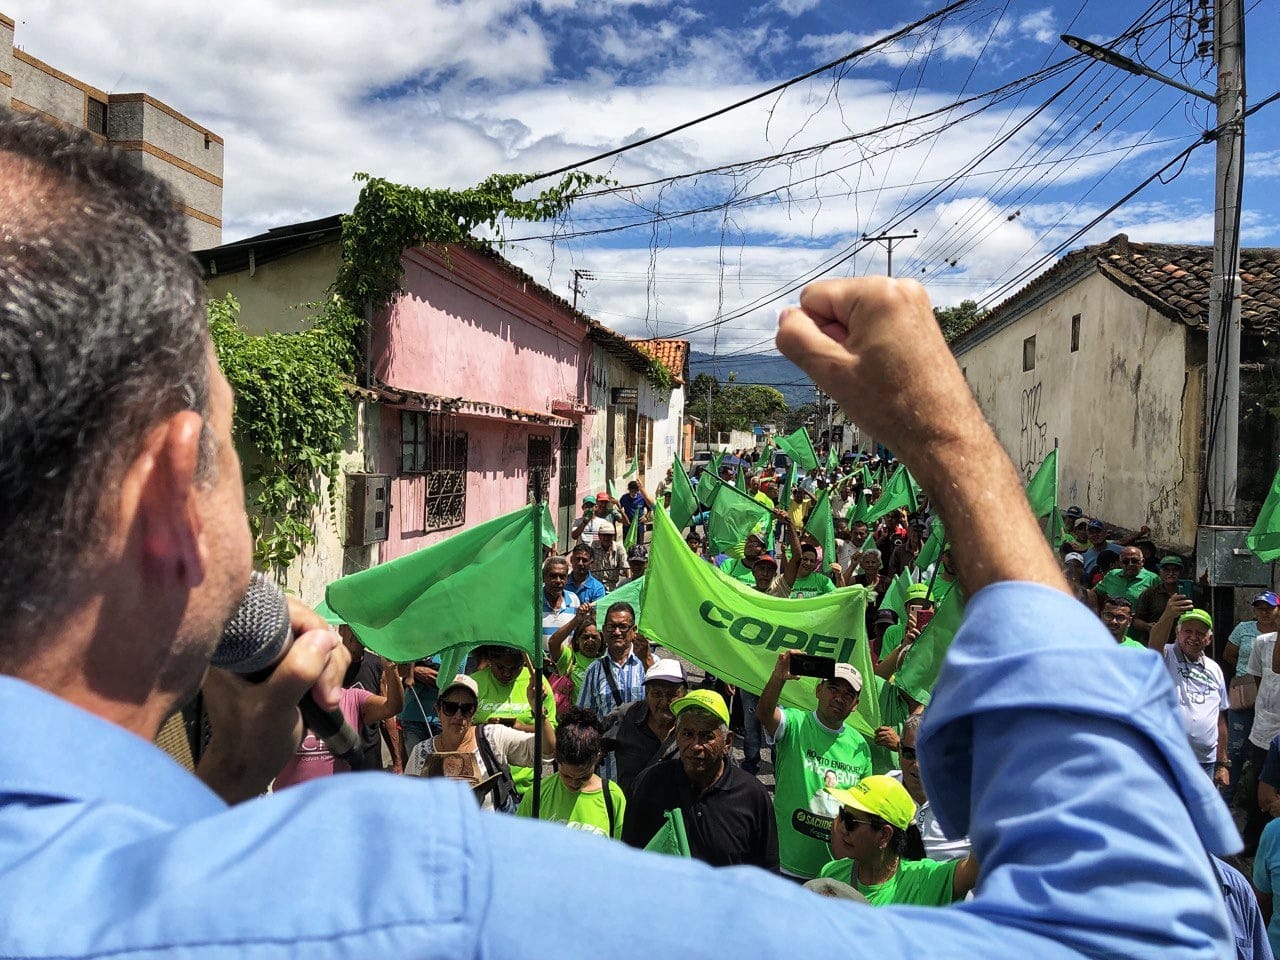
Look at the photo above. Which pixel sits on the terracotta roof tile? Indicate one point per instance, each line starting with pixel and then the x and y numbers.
pixel 1171 278
pixel 672 354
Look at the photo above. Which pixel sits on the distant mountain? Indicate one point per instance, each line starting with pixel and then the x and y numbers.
pixel 769 369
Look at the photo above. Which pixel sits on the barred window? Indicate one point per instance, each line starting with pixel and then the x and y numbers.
pixel 541 461
pixel 429 445
pixel 96 116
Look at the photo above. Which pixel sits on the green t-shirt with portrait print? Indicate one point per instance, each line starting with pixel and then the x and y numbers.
pixel 808 758
pixel 815 584
pixel 499 700
pixel 916 883
pixel 578 810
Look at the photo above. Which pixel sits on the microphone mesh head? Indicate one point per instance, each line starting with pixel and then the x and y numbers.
pixel 258 631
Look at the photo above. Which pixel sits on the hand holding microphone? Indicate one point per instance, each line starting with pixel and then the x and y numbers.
pixel 256 725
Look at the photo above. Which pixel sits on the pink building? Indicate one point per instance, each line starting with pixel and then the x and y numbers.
pixel 478 378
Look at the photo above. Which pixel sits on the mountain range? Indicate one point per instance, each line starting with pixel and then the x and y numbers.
pixel 770 370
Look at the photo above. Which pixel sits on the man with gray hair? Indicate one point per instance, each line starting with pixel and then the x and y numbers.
pixel 559 606
pixel 727 814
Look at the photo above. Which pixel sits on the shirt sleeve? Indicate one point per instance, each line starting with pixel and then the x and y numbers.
pixel 510 746
pixel 1255 660
pixel 1261 862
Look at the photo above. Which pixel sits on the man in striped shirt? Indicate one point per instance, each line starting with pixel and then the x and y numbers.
pixel 617 678
pixel 559 606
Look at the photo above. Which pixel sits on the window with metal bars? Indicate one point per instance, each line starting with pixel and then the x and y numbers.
pixel 96 116
pixel 541 461
pixel 430 445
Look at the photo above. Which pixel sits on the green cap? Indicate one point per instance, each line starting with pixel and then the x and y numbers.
pixel 880 796
pixel 1172 561
pixel 707 700
pixel 1197 614
pixel 918 591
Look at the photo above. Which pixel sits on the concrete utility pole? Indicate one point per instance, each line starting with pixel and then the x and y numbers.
pixel 888 240
pixel 1222 398
pixel 578 277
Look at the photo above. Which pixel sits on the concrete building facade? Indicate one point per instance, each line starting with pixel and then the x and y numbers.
pixel 161 140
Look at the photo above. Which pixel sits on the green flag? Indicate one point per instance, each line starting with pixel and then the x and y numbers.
pixel 708 488
pixel 787 482
pixel 421 604
pixel 632 536
pixel 630 592
pixel 916 492
pixel 633 469
pixel 716 460
pixel 919 671
pixel 735 632
pixel 895 595
pixel 821 526
pixel 613 494
pixel 896 493
pixel 549 538
pixel 684 504
pixel 734 515
pixel 1042 491
pixel 1264 538
pixel 741 481
pixel 671 837
pixel 833 459
pixel 799 448
pixel 857 509
pixel 932 547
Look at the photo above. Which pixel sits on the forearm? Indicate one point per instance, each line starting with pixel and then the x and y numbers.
pixel 767 705
pixel 1161 631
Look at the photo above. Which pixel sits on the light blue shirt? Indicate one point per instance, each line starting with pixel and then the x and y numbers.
pixel 596 692
pixel 553 619
pixel 1086 809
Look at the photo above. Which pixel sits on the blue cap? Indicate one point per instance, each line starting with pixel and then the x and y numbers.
pixel 1267 597
pixel 1096 525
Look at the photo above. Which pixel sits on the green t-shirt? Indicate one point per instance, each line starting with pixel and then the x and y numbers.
pixel 1115 584
pixel 917 883
pixel 1130 642
pixel 892 639
pixel 814 585
pixel 808 758
pixel 739 570
pixel 509 700
pixel 579 811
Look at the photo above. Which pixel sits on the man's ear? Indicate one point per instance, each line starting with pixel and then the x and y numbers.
pixel 161 482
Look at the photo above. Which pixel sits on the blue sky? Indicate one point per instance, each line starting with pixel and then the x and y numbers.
pixel 442 93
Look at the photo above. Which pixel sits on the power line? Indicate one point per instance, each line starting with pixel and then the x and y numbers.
pixel 777 88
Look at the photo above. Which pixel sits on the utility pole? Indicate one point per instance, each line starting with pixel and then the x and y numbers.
pixel 888 240
pixel 1222 399
pixel 1222 396
pixel 578 277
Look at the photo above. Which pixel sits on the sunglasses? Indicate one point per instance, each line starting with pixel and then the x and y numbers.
pixel 451 707
pixel 850 822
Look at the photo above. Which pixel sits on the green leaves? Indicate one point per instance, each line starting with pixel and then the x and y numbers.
pixel 293 416
pixel 389 218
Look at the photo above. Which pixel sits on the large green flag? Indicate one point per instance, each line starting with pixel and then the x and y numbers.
pixel 427 602
pixel 821 526
pixel 684 503
pixel 735 632
pixel 1042 491
pixel 932 547
pixel 549 538
pixel 1264 538
pixel 709 485
pixel 671 836
pixel 919 671
pixel 799 448
pixel 734 515
pixel 896 493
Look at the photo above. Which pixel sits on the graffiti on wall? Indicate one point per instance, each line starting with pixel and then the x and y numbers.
pixel 1034 438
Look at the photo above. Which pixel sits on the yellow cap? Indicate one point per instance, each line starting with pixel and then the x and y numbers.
pixel 880 796
pixel 708 700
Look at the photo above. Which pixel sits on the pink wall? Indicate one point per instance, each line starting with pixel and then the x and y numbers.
pixel 466 328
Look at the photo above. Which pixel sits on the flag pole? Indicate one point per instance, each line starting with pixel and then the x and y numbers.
pixel 538 718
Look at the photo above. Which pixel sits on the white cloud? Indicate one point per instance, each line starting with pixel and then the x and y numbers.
pixel 1039 26
pixel 794 8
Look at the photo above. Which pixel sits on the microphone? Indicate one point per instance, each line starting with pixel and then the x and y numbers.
pixel 255 639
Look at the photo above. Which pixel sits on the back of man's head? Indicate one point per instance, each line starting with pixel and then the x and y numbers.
pixel 102 334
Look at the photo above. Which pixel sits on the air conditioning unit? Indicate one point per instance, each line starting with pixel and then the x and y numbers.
pixel 368 508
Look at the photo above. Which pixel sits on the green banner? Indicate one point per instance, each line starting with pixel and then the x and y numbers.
pixel 479 586
pixel 735 632
pixel 1264 538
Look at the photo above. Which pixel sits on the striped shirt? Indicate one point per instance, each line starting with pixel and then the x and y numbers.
pixel 598 695
pixel 553 618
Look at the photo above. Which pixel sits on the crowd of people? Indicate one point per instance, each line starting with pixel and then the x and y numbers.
pixel 1062 784
pixel 629 738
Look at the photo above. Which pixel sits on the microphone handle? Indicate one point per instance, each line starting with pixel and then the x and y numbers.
pixel 332 727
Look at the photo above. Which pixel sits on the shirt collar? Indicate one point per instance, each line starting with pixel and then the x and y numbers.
pixel 97 760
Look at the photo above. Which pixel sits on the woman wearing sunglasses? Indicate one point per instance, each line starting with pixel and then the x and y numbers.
pixel 869 838
pixel 586 645
pixel 494 746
